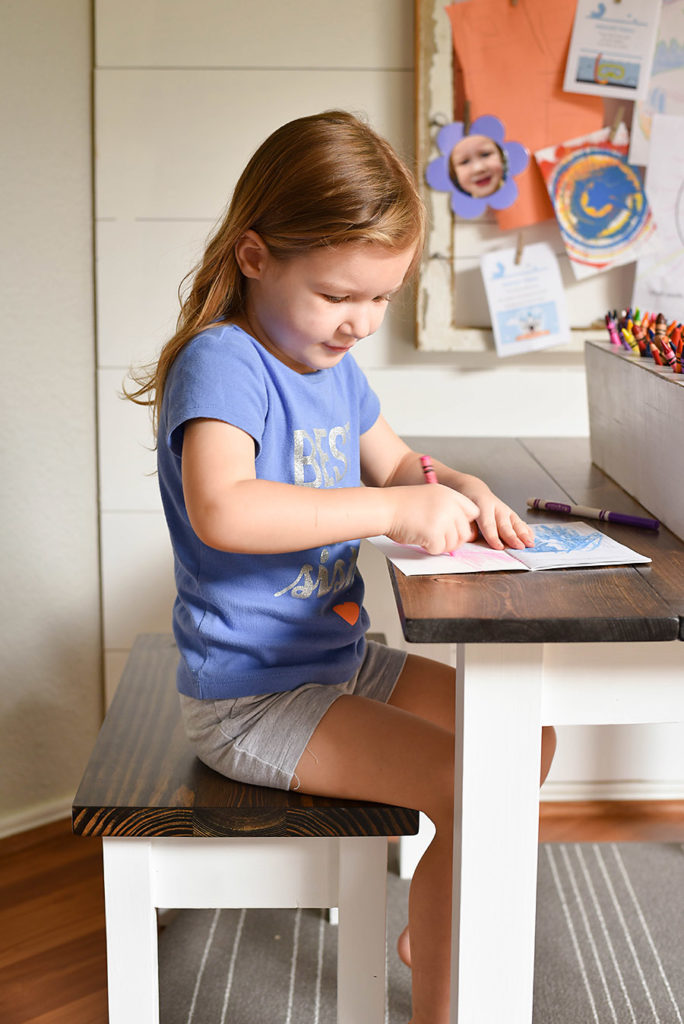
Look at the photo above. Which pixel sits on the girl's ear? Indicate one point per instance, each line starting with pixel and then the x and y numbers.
pixel 251 253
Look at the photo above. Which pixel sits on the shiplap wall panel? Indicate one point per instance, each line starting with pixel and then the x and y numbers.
pixel 270 33
pixel 158 195
pixel 127 484
pixel 137 576
pixel 189 133
pixel 139 268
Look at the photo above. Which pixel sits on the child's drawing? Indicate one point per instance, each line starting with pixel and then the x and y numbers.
pixel 564 538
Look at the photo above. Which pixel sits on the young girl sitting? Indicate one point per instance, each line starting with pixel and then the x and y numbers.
pixel 273 461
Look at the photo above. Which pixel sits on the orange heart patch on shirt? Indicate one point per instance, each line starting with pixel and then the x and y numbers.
pixel 349 611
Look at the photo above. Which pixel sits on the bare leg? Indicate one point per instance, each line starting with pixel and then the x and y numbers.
pixel 385 752
pixel 430 694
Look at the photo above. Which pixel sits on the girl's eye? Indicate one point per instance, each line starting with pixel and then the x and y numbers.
pixel 334 298
pixel 382 298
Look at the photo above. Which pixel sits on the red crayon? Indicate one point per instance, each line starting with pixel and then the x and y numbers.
pixel 668 355
pixel 639 332
pixel 428 470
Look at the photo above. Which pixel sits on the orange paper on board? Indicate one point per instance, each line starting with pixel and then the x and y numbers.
pixel 513 61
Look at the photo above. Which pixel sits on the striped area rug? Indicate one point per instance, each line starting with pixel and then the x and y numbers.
pixel 610 949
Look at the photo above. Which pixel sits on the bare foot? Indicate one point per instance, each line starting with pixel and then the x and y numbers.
pixel 404 947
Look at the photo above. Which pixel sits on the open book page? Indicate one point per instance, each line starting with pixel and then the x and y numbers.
pixel 571 544
pixel 557 546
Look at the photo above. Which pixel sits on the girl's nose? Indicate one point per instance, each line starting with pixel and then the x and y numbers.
pixel 357 325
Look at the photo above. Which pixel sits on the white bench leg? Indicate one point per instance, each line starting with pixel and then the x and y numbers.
pixel 361 953
pixel 132 974
pixel 132 928
pixel 412 848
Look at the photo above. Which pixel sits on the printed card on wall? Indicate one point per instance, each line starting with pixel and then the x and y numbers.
pixel 666 85
pixel 660 273
pixel 599 200
pixel 526 299
pixel 611 50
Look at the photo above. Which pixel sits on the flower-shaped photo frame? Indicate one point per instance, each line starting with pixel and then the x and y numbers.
pixel 477 166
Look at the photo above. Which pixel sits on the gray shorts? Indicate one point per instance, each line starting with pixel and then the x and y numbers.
pixel 261 739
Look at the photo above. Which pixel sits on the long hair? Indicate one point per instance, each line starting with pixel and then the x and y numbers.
pixel 323 180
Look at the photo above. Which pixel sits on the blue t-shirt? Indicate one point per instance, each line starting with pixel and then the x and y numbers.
pixel 247 624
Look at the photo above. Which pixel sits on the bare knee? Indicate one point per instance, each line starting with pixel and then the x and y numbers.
pixel 440 798
pixel 548 749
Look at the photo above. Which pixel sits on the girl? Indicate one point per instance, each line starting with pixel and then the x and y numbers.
pixel 266 431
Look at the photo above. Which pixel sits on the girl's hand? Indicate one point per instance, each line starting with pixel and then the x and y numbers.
pixel 499 525
pixel 434 517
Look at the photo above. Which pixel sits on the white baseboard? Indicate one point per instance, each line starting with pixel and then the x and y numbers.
pixel 636 789
pixel 34 817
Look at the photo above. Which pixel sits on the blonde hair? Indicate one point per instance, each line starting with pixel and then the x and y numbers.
pixel 323 180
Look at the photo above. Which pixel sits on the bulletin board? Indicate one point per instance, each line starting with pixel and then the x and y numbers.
pixel 452 309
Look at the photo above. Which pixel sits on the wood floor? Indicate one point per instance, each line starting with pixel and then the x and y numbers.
pixel 52 944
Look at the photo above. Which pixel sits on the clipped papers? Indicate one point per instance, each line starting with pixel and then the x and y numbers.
pixel 526 299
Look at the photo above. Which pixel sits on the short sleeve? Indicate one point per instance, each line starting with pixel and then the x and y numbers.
pixel 216 376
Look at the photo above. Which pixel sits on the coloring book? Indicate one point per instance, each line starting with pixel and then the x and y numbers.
pixel 557 546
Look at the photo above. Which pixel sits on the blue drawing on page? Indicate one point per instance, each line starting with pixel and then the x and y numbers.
pixel 564 538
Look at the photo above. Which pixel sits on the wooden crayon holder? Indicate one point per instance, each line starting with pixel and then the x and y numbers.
pixel 636 422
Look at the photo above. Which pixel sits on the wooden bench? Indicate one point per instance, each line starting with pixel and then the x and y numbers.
pixel 177 834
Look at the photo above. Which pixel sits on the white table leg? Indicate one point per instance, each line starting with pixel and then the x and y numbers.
pixel 498 739
pixel 132 974
pixel 361 933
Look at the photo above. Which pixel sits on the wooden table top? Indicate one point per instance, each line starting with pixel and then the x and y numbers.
pixel 609 604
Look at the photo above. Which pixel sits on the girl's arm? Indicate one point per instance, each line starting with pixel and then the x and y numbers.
pixel 231 510
pixel 388 462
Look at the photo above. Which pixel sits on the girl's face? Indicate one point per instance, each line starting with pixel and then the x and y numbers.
pixel 477 165
pixel 310 310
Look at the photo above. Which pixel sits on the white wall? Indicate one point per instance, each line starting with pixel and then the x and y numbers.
pixel 50 663
pixel 184 92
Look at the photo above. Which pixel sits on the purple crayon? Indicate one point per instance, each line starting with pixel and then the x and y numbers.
pixel 593 513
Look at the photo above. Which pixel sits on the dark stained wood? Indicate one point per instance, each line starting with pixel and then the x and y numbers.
pixel 612 821
pixel 52 929
pixel 569 460
pixel 143 779
pixel 610 604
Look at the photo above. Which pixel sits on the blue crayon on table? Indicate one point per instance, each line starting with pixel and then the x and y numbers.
pixel 540 504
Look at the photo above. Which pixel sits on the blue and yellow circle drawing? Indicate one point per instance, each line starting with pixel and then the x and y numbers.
pixel 600 204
